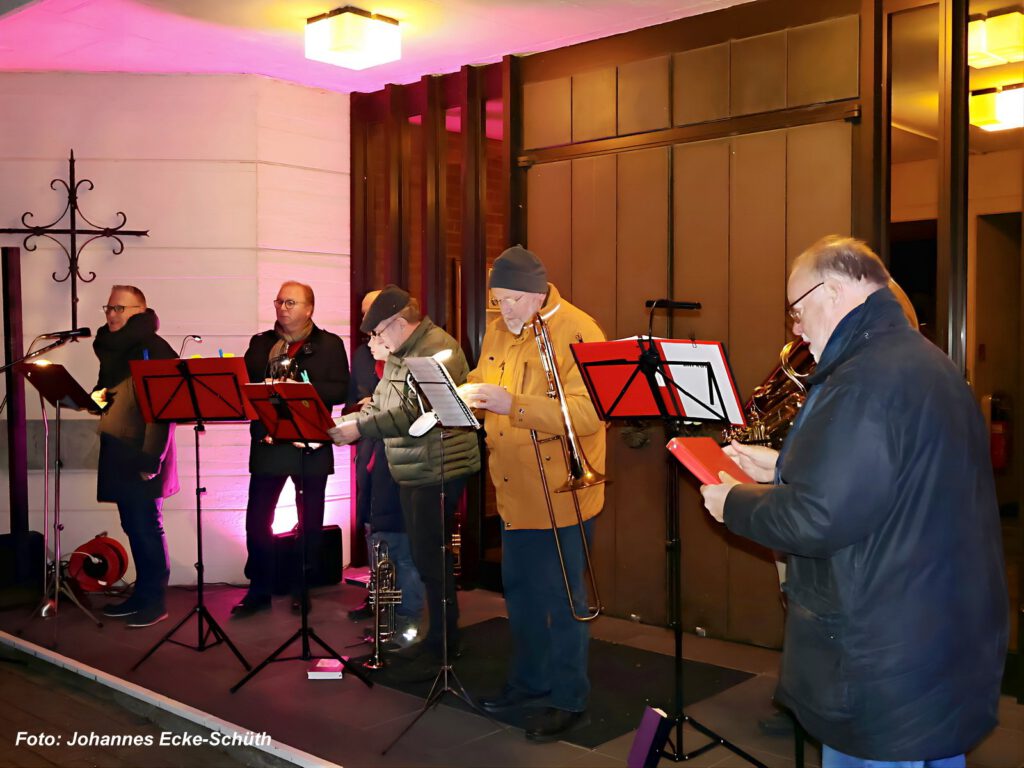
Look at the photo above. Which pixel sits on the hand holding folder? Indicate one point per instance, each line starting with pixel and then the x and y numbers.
pixel 705 459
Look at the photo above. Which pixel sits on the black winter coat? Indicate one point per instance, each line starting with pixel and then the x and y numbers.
pixel 896 631
pixel 324 360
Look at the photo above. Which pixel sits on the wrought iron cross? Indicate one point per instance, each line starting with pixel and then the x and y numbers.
pixel 73 231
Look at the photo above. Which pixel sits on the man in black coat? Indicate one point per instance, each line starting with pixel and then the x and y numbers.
pixel 883 498
pixel 294 349
pixel 137 467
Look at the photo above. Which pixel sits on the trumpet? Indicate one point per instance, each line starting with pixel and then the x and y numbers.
pixel 580 474
pixel 384 598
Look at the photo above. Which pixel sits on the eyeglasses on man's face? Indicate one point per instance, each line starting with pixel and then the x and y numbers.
pixel 794 313
pixel 287 303
pixel 376 333
pixel 507 302
pixel 118 309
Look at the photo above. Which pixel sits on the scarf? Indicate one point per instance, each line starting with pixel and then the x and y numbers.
pixel 115 348
pixel 287 345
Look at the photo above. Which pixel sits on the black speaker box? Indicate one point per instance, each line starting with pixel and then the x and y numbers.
pixel 326 570
pixel 21 568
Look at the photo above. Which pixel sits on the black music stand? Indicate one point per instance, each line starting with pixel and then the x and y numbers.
pixel 293 412
pixel 649 378
pixel 433 384
pixel 197 390
pixel 59 388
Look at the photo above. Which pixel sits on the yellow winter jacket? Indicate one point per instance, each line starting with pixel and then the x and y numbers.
pixel 514 363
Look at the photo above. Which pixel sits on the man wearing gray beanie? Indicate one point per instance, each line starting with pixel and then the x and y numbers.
pixel 548 670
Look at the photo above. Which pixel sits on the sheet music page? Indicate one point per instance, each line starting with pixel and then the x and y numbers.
pixel 439 388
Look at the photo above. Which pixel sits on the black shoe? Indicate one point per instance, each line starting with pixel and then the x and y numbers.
pixel 249 605
pixel 123 608
pixel 510 698
pixel 553 723
pixel 778 724
pixel 147 617
pixel 362 613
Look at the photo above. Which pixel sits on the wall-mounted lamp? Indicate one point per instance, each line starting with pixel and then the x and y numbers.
pixel 995 40
pixel 353 38
pixel 998 110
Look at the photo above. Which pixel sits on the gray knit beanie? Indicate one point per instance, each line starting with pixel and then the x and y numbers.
pixel 518 269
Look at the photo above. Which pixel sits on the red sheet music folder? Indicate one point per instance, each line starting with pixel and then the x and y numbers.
pixel 163 392
pixel 705 459
pixel 291 410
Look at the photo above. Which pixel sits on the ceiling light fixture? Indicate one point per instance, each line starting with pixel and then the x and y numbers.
pixel 353 38
pixel 995 40
pixel 998 110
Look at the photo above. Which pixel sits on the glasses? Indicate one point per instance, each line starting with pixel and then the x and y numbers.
pixel 118 308
pixel 508 302
pixel 795 313
pixel 287 303
pixel 376 334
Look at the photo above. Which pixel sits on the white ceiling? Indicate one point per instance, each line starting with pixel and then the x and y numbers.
pixel 266 36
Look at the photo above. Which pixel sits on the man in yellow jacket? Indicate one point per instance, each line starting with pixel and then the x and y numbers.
pixel 549 664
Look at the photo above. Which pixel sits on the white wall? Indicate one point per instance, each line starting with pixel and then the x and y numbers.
pixel 242 182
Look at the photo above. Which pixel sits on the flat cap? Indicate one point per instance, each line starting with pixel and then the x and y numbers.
pixel 390 301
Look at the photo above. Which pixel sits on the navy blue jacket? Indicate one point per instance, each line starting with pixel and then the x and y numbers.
pixel 896 631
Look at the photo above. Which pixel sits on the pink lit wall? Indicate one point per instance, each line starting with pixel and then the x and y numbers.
pixel 243 182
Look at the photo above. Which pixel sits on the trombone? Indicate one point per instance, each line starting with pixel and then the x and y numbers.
pixel 581 475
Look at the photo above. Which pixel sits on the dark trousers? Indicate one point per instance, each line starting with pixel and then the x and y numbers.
pixel 143 523
pixel 551 647
pixel 421 506
pixel 264 492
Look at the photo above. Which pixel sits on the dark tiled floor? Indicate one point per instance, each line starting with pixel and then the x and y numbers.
pixel 347 724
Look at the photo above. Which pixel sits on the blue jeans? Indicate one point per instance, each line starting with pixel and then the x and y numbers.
pixel 831 758
pixel 142 522
pixel 408 577
pixel 551 647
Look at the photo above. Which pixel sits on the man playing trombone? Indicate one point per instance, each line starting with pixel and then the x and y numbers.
pixel 526 405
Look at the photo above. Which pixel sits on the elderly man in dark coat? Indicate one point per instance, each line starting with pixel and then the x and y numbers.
pixel 883 498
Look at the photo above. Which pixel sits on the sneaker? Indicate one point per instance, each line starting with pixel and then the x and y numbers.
pixel 147 617
pixel 123 608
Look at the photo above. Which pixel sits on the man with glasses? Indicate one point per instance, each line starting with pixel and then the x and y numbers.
pixel 295 349
pixel 137 467
pixel 395 323
pixel 884 501
pixel 548 670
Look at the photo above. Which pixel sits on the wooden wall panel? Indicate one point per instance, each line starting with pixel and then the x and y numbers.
pixel 818 184
pixel 547 113
pixel 548 213
pixel 700 84
pixel 644 95
pixel 757 258
pixel 700 253
pixel 594 238
pixel 757 74
pixel 757 269
pixel 643 247
pixel 593 104
pixel 823 61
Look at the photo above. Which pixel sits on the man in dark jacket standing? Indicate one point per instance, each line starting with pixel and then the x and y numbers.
pixel 294 349
pixel 883 498
pixel 137 467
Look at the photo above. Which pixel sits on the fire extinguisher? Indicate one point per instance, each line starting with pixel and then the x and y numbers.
pixel 999 433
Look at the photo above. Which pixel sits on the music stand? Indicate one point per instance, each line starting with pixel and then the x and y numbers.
pixel 59 388
pixel 293 412
pixel 433 384
pixel 193 391
pixel 673 381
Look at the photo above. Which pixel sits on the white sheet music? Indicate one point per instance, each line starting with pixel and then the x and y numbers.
pixel 437 385
pixel 708 396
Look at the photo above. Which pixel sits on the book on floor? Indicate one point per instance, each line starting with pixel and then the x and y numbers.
pixel 325 669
